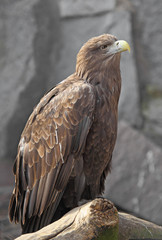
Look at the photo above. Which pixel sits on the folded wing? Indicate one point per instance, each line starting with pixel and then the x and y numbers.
pixel 54 136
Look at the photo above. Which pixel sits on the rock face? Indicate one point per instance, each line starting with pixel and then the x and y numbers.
pixel 135 181
pixel 129 98
pixel 17 65
pixel 147 33
pixel 27 39
pixel 78 8
pixel 39 41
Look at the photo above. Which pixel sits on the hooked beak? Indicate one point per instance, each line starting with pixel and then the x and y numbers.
pixel 119 46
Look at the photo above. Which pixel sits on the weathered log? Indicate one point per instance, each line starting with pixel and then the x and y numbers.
pixel 131 227
pixel 89 221
pixel 97 219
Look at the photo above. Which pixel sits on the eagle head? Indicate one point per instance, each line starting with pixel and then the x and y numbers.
pixel 99 55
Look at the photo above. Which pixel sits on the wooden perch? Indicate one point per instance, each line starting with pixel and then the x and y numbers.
pixel 85 222
pixel 97 219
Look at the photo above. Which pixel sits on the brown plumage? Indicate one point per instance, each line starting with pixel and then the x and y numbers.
pixel 65 150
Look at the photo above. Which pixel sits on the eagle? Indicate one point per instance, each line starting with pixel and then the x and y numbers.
pixel 65 149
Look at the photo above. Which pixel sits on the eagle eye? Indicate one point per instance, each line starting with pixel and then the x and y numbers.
pixel 104 46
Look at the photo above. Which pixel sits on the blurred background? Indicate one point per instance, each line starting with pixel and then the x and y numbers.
pixel 39 41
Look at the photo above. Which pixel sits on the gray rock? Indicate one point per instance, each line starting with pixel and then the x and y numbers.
pixel 17 65
pixel 147 22
pixel 29 33
pixel 153 120
pixel 74 33
pixel 129 103
pixel 135 181
pixel 73 8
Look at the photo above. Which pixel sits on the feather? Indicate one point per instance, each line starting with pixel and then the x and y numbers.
pixel 32 200
pixel 64 173
pixel 40 194
pixel 25 205
pixel 41 150
pixel 51 141
pixel 50 180
pixel 12 205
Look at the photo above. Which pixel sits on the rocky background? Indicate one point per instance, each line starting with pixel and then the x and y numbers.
pixel 39 41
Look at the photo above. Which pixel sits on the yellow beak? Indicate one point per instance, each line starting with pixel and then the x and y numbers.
pixel 119 46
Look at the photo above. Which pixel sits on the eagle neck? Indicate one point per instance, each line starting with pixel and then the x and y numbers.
pixel 109 85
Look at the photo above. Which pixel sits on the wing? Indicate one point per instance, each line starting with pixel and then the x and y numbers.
pixel 54 134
